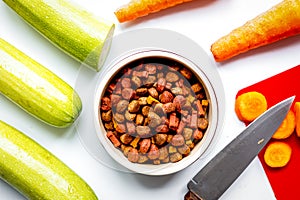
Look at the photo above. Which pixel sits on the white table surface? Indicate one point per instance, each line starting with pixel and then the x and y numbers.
pixel 203 21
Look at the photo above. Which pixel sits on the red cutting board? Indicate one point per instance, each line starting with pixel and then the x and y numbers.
pixel 285 181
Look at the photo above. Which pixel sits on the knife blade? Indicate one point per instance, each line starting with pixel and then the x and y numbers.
pixel 220 172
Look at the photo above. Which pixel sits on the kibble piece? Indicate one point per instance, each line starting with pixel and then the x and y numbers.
pixel 179 102
pixel 205 102
pixel 115 99
pixel 141 91
pixel 174 121
pixel 141 74
pixel 172 77
pixel 202 123
pixel 106 116
pixel 105 104
pixel 153 152
pixel 126 150
pixel 156 162
pixel 145 110
pixel 143 159
pixel 186 73
pixel 143 131
pixel 153 92
pixel 160 138
pixel 168 85
pixel 175 157
pixel 177 140
pixel 129 116
pixel 150 68
pixel 133 155
pixel 194 119
pixel 158 108
pixel 166 97
pixel 113 139
pixel 117 88
pixel 109 126
pixel 136 81
pixel 135 142
pixel 120 128
pixel 169 107
pixel 154 119
pixel 190 98
pixel 150 81
pixel 197 87
pixel 161 83
pixel 198 134
pixel 139 119
pixel 126 83
pixel 166 160
pixel 142 101
pixel 172 149
pixel 130 128
pixel 184 149
pixel 181 126
pixel 162 129
pixel 120 118
pixel 187 133
pixel 151 100
pixel 134 106
pixel 163 153
pixel 177 90
pixel 127 93
pixel 145 145
pixel 201 111
pixel 126 138
pixel 122 106
pixel 190 144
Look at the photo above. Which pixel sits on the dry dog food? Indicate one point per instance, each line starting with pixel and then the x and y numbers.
pixel 154 110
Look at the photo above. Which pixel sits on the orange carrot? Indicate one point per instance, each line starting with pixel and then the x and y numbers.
pixel 139 8
pixel 277 154
pixel 249 105
pixel 279 22
pixel 297 114
pixel 287 127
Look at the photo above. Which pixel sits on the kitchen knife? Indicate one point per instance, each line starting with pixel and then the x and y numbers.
pixel 219 173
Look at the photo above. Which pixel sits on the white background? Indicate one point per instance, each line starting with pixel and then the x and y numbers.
pixel 204 21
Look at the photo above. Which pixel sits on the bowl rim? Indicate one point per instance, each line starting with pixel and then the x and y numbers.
pixel 167 168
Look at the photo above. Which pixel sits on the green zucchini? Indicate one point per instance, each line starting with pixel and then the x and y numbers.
pixel 35 172
pixel 78 33
pixel 36 89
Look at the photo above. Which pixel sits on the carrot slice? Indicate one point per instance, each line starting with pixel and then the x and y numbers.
pixel 279 22
pixel 139 8
pixel 249 105
pixel 277 154
pixel 297 114
pixel 287 127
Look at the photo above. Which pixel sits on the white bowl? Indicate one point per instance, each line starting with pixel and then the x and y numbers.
pixel 215 115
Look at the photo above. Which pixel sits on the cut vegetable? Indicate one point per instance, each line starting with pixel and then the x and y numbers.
pixel 277 154
pixel 287 127
pixel 75 31
pixel 35 172
pixel 249 105
pixel 281 21
pixel 36 89
pixel 139 8
pixel 297 115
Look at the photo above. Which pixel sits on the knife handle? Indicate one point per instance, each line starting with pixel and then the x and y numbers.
pixel 191 196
